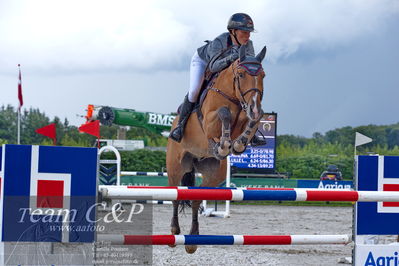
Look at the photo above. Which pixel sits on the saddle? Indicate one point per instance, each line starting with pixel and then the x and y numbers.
pixel 207 82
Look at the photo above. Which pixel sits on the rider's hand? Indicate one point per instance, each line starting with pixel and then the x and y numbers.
pixel 232 57
pixel 235 49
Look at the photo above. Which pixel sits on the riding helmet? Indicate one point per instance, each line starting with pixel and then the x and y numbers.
pixel 240 21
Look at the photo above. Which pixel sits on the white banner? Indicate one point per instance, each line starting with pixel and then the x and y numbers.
pixel 376 255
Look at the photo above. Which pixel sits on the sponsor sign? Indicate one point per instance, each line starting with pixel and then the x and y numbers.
pixel 325 184
pixel 48 194
pixel 375 255
pixel 160 119
pixel 377 173
pixel 261 157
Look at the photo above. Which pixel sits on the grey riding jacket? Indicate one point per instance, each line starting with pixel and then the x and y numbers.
pixel 221 52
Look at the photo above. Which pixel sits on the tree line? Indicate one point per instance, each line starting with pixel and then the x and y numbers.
pixel 301 157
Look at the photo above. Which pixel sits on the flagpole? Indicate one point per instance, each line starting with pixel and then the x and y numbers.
pixel 355 149
pixel 21 102
pixel 19 126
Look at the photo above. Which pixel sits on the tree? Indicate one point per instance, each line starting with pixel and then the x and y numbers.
pixel 8 124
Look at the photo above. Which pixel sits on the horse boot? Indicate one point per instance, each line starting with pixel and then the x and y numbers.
pixel 185 111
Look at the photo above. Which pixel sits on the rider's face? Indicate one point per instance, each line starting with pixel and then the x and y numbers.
pixel 243 36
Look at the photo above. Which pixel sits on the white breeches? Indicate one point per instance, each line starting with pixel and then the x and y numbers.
pixel 197 69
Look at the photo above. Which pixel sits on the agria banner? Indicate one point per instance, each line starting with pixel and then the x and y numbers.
pixel 376 173
pixel 48 194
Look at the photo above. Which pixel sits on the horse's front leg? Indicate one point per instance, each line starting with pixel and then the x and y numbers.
pixel 194 225
pixel 241 142
pixel 222 149
pixel 174 225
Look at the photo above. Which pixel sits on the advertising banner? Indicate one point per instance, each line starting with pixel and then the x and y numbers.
pixel 260 157
pixel 47 193
pixel 378 173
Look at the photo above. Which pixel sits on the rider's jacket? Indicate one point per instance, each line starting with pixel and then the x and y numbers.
pixel 221 52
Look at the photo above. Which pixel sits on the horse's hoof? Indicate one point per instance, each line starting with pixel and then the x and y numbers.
pixel 220 153
pixel 191 249
pixel 238 148
pixel 172 246
pixel 223 152
pixel 234 152
pixel 175 231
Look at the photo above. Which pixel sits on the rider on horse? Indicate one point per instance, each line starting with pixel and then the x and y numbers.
pixel 217 55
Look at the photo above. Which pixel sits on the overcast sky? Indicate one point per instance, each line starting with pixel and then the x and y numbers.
pixel 329 63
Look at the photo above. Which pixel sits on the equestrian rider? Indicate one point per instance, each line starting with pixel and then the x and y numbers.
pixel 217 54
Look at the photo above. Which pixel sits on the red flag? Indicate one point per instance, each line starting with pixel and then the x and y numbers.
pixel 92 128
pixel 20 98
pixel 48 131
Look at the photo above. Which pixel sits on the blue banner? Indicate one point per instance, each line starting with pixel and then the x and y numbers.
pixel 49 194
pixel 378 173
pixel 261 157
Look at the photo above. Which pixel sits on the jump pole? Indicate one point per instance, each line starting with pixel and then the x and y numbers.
pixel 115 192
pixel 226 212
pixel 224 239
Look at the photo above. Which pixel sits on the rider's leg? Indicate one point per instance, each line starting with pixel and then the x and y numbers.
pixel 197 69
pixel 185 111
pixel 257 141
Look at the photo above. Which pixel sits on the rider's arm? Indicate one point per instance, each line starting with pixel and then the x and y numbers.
pixel 219 57
pixel 220 63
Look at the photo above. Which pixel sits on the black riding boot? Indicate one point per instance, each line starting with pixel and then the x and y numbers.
pixel 185 111
pixel 257 141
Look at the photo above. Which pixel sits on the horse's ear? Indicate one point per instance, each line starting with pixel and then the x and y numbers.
pixel 242 53
pixel 262 54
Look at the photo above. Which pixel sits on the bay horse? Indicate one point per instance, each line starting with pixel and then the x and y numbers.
pixel 231 112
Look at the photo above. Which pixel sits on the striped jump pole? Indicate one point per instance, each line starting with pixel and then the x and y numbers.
pixel 125 192
pixel 138 173
pixel 164 202
pixel 224 239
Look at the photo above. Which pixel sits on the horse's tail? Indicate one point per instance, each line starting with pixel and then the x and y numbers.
pixel 188 180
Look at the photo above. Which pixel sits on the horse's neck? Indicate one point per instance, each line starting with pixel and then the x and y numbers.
pixel 225 82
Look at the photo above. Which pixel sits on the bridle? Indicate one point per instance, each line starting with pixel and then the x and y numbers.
pixel 252 68
pixel 237 86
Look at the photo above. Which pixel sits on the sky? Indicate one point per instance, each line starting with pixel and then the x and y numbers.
pixel 329 63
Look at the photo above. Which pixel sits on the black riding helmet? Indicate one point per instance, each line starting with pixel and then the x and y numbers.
pixel 240 21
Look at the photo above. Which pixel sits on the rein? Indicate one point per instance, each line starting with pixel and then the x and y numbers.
pixel 231 99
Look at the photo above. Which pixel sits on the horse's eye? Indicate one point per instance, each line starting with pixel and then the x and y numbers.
pixel 241 75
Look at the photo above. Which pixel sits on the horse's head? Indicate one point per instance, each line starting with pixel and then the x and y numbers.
pixel 248 82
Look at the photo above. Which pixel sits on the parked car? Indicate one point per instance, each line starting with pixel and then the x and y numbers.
pixel 332 173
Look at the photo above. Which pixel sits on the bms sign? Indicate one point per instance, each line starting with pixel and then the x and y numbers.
pixel 159 119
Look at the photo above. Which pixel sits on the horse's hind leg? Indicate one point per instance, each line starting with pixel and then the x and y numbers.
pixel 195 204
pixel 175 174
pixel 174 225
pixel 214 173
pixel 222 149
